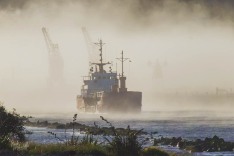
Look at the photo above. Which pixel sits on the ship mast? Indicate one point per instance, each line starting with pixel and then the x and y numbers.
pixel 122 60
pixel 122 78
pixel 101 64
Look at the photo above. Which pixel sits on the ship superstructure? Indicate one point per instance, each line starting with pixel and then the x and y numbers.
pixel 105 91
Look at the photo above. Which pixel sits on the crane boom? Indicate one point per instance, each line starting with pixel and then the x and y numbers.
pixel 89 44
pixel 55 60
pixel 47 39
pixel 52 48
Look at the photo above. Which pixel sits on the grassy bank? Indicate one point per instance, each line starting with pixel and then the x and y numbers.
pixel 64 150
pixel 81 150
pixel 34 149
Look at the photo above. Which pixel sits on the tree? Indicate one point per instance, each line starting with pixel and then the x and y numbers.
pixel 11 127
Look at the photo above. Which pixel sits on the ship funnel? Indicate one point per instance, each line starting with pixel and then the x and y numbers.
pixel 122 84
pixel 122 78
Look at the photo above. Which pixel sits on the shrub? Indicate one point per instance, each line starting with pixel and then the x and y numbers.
pixel 11 127
pixel 88 139
pixel 124 144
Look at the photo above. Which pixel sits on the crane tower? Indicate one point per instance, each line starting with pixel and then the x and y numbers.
pixel 92 51
pixel 55 60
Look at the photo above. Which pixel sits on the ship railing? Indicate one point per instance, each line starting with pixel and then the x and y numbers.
pixel 85 78
pixel 94 93
pixel 100 94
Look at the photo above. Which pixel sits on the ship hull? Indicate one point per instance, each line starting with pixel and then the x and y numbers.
pixel 126 102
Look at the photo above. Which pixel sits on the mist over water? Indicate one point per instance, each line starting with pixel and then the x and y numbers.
pixel 176 47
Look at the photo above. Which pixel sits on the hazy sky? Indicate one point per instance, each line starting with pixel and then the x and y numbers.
pixel 191 40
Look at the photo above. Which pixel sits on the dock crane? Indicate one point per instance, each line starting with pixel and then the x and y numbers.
pixel 89 44
pixel 55 60
pixel 53 49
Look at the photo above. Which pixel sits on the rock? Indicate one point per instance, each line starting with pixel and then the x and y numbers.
pixel 208 144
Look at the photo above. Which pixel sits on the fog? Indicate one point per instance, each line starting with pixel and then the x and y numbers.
pixel 175 47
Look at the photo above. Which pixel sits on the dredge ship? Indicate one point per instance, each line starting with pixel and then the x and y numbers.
pixel 105 91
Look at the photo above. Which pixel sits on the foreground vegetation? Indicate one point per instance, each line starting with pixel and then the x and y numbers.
pixel 11 128
pixel 12 140
pixel 89 149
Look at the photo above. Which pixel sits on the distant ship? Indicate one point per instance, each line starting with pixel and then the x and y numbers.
pixel 105 91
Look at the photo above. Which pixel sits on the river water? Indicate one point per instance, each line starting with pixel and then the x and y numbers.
pixel 188 125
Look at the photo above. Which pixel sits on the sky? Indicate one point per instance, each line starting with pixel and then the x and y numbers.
pixel 174 46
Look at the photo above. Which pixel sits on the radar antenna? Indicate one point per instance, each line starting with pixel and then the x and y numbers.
pixel 122 60
pixel 122 77
pixel 101 64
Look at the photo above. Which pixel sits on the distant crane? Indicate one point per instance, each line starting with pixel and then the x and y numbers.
pixel 53 49
pixel 55 60
pixel 89 45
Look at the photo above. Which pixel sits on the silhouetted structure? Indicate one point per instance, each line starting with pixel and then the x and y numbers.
pixel 55 61
pixel 101 90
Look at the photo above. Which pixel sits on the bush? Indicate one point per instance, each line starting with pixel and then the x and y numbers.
pixel 11 128
pixel 88 139
pixel 124 144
